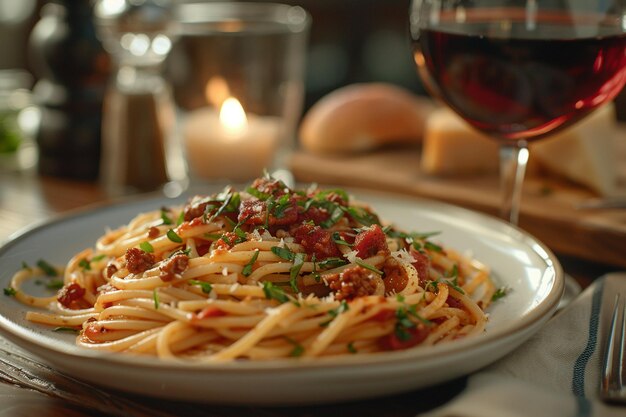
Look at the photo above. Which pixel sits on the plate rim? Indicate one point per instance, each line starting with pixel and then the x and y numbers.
pixel 22 335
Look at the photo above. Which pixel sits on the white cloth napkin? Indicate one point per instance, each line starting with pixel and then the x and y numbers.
pixel 556 373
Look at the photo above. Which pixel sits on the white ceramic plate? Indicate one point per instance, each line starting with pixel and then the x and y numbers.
pixel 518 260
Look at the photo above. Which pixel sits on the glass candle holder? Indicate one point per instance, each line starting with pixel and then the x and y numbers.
pixel 238 76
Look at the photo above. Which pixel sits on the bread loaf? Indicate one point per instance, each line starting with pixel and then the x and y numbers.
pixel 364 117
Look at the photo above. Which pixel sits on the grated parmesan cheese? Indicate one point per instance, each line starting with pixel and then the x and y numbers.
pixel 255 235
pixel 351 256
pixel 403 256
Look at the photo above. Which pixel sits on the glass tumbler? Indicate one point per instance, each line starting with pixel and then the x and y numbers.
pixel 237 72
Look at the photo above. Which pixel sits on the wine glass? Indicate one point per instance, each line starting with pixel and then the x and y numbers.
pixel 520 70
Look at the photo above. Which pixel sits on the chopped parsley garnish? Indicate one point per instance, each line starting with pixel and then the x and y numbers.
pixel 258 194
pixel 368 266
pixel 298 349
pixel 411 310
pixel 432 285
pixel 205 286
pixel 411 236
pixel 336 211
pixel 298 261
pixel 230 203
pixel 47 269
pixel 361 215
pixel 65 330
pixel 433 247
pixel 165 218
pixel 273 292
pixel 323 195
pixel 155 297
pixel 330 263
pixel 180 252
pixel 240 234
pixel 453 279
pixel 415 239
pixel 335 215
pixel 86 264
pixel 146 247
pixel 181 218
pixel 339 240
pixel 315 274
pixel 9 291
pixel 281 205
pixel 403 324
pixel 403 320
pixel 98 258
pixel 417 245
pixel 342 308
pixel 351 348
pixel 55 284
pixel 247 269
pixel 270 203
pixel 306 205
pixel 283 253
pixel 173 236
pixel 206 216
pixel 25 266
pixel 500 292
pixel 226 240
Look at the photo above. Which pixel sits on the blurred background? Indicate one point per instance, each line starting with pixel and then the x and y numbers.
pixel 351 41
pixel 48 44
pixel 51 54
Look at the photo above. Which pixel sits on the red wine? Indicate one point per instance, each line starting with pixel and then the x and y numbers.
pixel 521 87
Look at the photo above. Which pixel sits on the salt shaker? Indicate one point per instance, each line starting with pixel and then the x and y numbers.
pixel 140 151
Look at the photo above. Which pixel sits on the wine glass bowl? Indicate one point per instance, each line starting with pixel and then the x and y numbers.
pixel 518 71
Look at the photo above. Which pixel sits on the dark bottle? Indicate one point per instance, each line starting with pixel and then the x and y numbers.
pixel 72 70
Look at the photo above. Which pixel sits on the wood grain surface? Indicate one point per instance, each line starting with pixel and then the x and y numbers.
pixel 549 208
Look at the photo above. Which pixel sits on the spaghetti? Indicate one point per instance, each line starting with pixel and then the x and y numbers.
pixel 264 273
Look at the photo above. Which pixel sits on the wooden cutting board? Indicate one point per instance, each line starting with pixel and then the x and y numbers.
pixel 549 205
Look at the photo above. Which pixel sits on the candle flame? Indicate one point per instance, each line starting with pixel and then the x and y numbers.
pixel 233 117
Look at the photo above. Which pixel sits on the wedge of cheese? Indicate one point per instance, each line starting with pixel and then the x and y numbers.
pixel 451 147
pixel 583 153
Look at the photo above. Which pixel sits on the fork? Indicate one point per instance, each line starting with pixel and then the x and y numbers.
pixel 613 383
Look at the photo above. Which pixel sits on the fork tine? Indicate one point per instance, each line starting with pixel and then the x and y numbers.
pixel 613 384
pixel 622 349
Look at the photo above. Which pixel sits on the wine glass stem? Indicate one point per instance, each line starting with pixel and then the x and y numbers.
pixel 513 160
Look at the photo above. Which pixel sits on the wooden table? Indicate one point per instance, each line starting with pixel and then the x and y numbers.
pixel 27 198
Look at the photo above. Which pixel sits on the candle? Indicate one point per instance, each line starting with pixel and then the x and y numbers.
pixel 232 145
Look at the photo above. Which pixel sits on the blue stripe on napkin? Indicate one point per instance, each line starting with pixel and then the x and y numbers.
pixel 578 375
